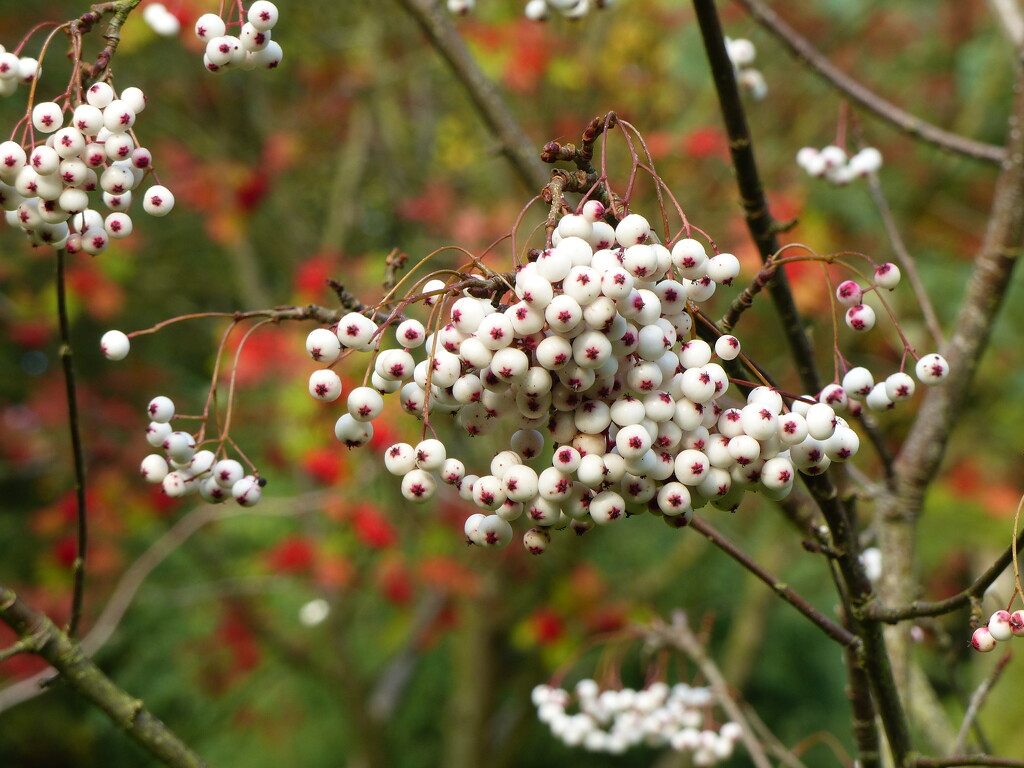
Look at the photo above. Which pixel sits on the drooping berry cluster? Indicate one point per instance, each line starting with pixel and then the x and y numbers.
pixel 46 187
pixel 182 470
pixel 595 364
pixel 833 164
pixel 613 720
pixel 251 48
pixel 1002 625
pixel 742 54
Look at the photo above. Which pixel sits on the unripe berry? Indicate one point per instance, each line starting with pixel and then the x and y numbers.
pixel 1017 623
pixel 633 229
pixel 47 117
pixel 849 293
pixel 931 369
pixel 999 625
pixel 607 507
pixel 723 268
pixel 858 382
pixel 262 15
pixel 160 409
pixel 156 433
pixel 351 432
pixel 323 346
pixel 154 468
pixel 887 276
pixel 180 446
pixel 158 201
pixel 899 386
pixel 400 458
pixel 115 345
pixel 860 317
pixel 488 492
pixel 227 472
pixel 982 640
pixel 325 385
pixel 209 26
pixel 536 540
pixel 364 403
pixel 418 486
pixel 247 491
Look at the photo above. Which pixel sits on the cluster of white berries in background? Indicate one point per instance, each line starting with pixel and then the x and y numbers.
pixel 46 188
pixel 833 164
pixel 251 48
pixel 540 10
pixel 616 407
pixel 16 70
pixel 182 470
pixel 742 54
pixel 1002 625
pixel 161 20
pixel 613 720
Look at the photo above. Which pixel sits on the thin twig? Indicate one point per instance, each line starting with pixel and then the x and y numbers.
pixel 679 635
pixel 135 575
pixel 951 762
pixel 835 631
pixel 512 139
pixel 906 260
pixel 802 49
pixel 940 607
pixel 978 701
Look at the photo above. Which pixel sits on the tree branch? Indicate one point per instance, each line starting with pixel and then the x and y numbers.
pixel 77 451
pixel 802 49
pixel 679 635
pixel 755 206
pixel 978 700
pixel 127 713
pixel 512 139
pixel 835 631
pixel 939 607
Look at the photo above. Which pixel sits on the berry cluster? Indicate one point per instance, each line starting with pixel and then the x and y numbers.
pixel 540 10
pixel 742 54
pixel 46 188
pixel 161 20
pixel 252 48
pixel 183 470
pixel 16 70
pixel 1002 625
pixel 833 164
pixel 613 720
pixel 596 348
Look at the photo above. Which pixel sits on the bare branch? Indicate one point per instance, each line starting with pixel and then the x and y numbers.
pixel 755 206
pixel 978 700
pixel 802 49
pixel 679 635
pixel 940 607
pixel 126 712
pixel 512 139
pixel 835 631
